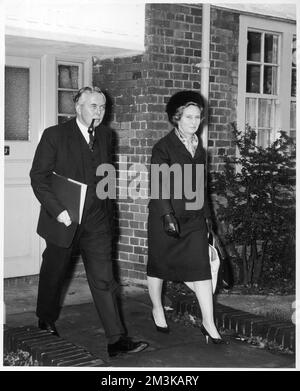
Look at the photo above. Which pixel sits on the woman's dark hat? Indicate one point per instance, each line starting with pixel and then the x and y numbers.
pixel 181 98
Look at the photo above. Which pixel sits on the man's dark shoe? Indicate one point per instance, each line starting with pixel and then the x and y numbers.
pixel 48 326
pixel 126 345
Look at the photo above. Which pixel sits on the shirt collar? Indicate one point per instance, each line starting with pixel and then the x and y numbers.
pixel 191 145
pixel 183 138
pixel 82 127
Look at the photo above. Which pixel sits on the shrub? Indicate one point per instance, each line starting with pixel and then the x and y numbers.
pixel 256 208
pixel 18 358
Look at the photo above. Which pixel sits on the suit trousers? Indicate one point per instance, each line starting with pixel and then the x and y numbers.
pixel 96 251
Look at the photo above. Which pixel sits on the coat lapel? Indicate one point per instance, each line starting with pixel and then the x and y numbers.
pixel 199 154
pixel 179 145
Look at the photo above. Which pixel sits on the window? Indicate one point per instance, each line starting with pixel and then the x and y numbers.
pixel 261 83
pixel 265 67
pixel 16 103
pixel 69 80
pixel 293 91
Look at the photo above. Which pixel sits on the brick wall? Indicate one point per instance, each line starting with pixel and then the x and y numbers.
pixel 126 82
pixel 139 88
pixel 223 84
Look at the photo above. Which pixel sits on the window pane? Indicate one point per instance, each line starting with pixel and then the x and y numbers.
pixel 271 48
pixel 253 47
pixel 65 102
pixel 16 104
pixel 294 63
pixel 68 76
pixel 265 113
pixel 293 86
pixel 251 112
pixel 253 78
pixel 270 80
pixel 294 53
pixel 263 138
pixel 293 116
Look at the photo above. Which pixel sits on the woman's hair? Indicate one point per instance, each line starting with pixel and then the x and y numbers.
pixel 181 100
pixel 179 111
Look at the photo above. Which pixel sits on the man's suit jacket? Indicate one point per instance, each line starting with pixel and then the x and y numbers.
pixel 59 150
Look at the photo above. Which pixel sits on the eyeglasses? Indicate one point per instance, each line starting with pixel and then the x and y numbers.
pixel 85 89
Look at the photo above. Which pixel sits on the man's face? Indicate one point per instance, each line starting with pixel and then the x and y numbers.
pixel 91 106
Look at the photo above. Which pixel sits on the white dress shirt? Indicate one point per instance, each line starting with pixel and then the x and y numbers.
pixel 84 130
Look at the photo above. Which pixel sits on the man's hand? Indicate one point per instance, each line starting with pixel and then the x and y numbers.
pixel 171 226
pixel 64 218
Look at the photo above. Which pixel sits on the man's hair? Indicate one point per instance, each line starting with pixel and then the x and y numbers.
pixel 87 89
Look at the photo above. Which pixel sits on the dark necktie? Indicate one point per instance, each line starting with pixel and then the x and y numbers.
pixel 91 135
pixel 91 138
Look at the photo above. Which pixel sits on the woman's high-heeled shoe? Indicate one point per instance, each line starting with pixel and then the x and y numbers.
pixel 165 330
pixel 217 341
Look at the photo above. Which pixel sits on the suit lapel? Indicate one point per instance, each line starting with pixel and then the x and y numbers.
pixel 75 151
pixel 101 142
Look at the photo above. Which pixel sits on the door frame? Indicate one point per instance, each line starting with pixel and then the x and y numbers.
pixel 47 112
pixel 17 166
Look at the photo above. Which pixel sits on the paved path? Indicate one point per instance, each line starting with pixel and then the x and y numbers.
pixel 184 348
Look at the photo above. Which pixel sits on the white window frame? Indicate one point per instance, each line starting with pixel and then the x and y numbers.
pixel 80 66
pixel 50 84
pixel 286 31
pixel 293 99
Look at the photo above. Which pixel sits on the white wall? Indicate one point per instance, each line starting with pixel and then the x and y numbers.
pixel 92 22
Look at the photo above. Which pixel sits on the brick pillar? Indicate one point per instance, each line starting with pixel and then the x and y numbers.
pixel 139 88
pixel 223 84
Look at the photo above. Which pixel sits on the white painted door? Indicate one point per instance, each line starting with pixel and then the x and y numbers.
pixel 22 126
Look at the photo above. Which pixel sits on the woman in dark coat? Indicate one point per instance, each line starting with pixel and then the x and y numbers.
pixel 179 216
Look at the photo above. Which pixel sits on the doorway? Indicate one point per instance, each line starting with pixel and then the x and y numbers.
pixel 22 127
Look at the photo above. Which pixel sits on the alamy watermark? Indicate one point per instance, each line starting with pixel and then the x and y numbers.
pixel 179 181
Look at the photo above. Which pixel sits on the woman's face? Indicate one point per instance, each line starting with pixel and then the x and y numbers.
pixel 190 120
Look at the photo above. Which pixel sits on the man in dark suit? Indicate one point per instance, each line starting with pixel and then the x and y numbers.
pixel 75 149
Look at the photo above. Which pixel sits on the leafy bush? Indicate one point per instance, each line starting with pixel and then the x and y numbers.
pixel 18 358
pixel 256 208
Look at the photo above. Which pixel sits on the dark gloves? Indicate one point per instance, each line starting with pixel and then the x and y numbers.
pixel 209 225
pixel 171 226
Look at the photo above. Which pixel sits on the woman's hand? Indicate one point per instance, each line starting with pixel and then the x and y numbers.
pixel 171 226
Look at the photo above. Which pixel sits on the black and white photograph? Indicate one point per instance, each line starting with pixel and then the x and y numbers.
pixel 149 189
